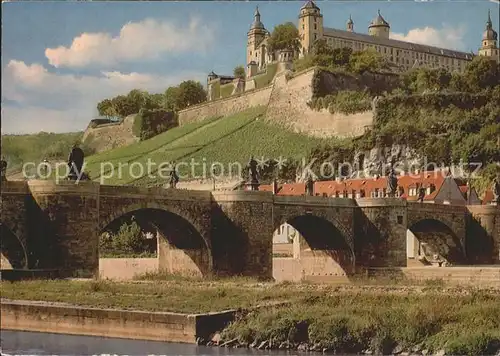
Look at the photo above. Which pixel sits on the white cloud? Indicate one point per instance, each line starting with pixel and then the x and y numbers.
pixel 446 37
pixel 54 102
pixel 34 119
pixel 143 40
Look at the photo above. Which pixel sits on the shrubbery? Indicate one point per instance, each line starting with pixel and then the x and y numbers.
pixel 149 123
pixel 129 241
pixel 346 102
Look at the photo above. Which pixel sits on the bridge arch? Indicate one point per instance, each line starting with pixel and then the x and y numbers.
pixel 322 239
pixel 437 241
pixel 12 249
pixel 180 237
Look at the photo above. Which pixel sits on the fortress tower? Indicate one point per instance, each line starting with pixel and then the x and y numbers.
pixel 350 25
pixel 379 27
pixel 310 26
pixel 489 46
pixel 256 49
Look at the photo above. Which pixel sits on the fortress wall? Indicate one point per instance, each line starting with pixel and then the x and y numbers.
pixel 289 107
pixel 224 107
pixel 288 102
pixel 109 136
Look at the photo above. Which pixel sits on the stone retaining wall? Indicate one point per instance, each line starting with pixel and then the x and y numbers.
pixel 126 268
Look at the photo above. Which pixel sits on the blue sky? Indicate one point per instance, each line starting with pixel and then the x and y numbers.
pixel 60 58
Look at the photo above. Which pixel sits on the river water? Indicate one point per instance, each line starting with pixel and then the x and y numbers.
pixel 34 343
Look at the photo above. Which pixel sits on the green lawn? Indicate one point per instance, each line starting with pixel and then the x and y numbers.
pixel 345 318
pixel 265 79
pixel 19 149
pixel 229 141
pixel 226 90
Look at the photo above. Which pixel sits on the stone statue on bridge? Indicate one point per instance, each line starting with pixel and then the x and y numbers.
pixel 253 175
pixel 3 170
pixel 496 190
pixel 421 194
pixel 392 183
pixel 75 163
pixel 309 185
pixel 174 178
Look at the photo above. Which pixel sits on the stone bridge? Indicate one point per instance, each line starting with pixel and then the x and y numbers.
pixel 57 226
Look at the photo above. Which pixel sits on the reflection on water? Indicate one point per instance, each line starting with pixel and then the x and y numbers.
pixel 33 343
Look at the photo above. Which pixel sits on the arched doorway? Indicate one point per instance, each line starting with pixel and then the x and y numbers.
pixel 431 242
pixel 13 252
pixel 315 249
pixel 175 243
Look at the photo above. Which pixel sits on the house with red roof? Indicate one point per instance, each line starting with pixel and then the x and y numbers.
pixel 439 186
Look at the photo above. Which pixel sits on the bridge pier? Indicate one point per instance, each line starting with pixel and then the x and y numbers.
pixel 381 225
pixel 242 229
pixel 66 216
pixel 483 234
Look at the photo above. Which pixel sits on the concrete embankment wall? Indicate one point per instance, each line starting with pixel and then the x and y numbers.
pixel 139 325
pixel 126 268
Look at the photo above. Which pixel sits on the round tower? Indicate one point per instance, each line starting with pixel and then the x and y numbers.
pixel 255 36
pixel 379 27
pixel 310 26
pixel 489 42
pixel 350 25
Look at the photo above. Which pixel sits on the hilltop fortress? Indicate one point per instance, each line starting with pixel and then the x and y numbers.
pixel 287 95
pixel 402 55
pixel 269 80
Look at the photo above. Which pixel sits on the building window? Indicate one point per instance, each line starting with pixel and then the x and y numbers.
pixel 315 36
pixel 376 193
pixel 315 26
pixel 400 219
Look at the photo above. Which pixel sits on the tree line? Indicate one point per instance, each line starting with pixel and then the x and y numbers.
pixel 175 98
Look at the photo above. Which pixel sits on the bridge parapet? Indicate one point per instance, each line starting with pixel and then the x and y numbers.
pixel 313 201
pixel 242 196
pixel 439 208
pixel 381 202
pixel 14 187
pixel 154 193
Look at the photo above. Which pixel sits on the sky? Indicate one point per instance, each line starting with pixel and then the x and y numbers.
pixel 60 58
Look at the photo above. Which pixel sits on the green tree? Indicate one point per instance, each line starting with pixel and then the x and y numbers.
pixel 171 98
pixel 284 36
pixel 137 99
pixel 239 72
pixel 106 108
pixel 482 73
pixel 190 93
pixel 367 61
pixel 123 106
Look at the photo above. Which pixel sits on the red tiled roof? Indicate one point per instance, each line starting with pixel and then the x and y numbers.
pixel 329 188
pixel 293 189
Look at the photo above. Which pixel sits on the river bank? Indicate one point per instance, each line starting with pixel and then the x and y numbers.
pixel 425 319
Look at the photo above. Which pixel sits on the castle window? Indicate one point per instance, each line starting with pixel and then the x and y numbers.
pixel 303 27
pixel 315 26
pixel 315 36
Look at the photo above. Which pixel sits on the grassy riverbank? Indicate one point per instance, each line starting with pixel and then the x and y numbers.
pixel 350 319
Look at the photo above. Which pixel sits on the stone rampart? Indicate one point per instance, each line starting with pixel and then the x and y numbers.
pixel 226 106
pixel 288 102
pixel 108 136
